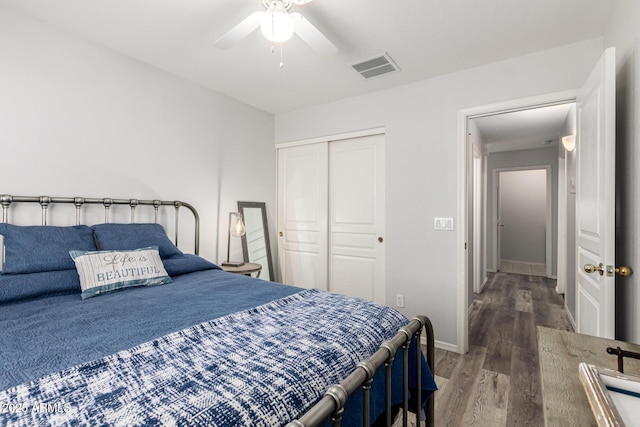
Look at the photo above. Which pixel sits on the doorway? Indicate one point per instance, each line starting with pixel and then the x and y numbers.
pixel 523 231
pixel 466 128
pixel 594 102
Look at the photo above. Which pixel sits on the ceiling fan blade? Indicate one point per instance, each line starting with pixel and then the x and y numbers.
pixel 240 31
pixel 301 2
pixel 312 36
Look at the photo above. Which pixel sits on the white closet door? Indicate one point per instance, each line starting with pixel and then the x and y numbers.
pixel 302 215
pixel 357 217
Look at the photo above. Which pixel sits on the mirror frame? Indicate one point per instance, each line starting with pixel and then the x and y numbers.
pixel 245 250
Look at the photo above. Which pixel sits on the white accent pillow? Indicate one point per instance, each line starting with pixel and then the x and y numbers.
pixel 106 271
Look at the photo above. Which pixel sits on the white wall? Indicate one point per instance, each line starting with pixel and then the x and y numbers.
pixel 80 120
pixel 422 161
pixel 624 34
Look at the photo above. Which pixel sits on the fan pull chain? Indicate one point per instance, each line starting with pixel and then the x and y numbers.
pixel 273 50
pixel 281 60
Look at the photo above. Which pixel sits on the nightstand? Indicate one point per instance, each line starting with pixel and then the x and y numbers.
pixel 247 269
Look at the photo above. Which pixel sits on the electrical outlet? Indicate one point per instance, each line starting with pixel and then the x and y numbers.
pixel 400 301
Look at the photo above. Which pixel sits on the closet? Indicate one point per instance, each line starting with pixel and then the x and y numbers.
pixel 331 216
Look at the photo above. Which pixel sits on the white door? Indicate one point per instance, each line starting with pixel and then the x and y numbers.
pixel 357 217
pixel 522 211
pixel 595 200
pixel 302 215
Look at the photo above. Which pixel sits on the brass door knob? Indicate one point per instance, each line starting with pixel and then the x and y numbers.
pixel 380 239
pixel 281 234
pixel 623 270
pixel 590 268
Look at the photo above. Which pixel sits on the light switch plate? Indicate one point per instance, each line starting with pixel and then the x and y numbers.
pixel 440 223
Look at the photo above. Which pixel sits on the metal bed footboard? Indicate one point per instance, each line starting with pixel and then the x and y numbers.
pixel 333 403
pixel 46 201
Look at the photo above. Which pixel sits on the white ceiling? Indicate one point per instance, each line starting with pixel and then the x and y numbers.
pixel 426 38
pixel 526 129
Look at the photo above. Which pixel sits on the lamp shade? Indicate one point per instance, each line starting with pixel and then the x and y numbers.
pixel 238 229
pixel 276 24
pixel 569 142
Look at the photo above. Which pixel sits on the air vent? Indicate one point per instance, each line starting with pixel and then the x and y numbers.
pixel 376 66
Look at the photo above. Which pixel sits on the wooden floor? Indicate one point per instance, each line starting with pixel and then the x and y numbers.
pixel 497 383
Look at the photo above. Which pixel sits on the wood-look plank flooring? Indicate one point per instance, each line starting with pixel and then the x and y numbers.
pixel 498 382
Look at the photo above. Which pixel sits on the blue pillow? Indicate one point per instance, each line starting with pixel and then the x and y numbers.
pixel 36 248
pixel 127 237
pixel 19 287
pixel 187 263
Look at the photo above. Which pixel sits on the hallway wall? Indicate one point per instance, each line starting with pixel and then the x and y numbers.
pixel 624 34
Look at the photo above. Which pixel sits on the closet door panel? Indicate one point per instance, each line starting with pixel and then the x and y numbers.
pixel 357 217
pixel 302 215
pixel 354 275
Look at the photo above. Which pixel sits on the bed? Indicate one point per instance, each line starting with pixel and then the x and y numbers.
pixel 112 324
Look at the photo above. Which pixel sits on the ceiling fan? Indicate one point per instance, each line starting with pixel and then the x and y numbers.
pixel 278 26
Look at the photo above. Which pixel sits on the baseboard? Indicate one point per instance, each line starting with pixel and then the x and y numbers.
pixel 573 322
pixel 446 346
pixel 439 344
pixel 511 261
pixel 483 284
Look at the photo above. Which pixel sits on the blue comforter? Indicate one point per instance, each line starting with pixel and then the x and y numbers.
pixel 46 335
pixel 42 335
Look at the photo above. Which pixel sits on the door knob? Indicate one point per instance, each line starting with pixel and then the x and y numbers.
pixel 623 271
pixel 281 234
pixel 380 239
pixel 590 268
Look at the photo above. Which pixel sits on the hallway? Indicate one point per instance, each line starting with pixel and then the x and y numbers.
pixel 497 382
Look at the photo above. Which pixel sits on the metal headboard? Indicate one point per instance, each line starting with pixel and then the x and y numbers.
pixel 45 201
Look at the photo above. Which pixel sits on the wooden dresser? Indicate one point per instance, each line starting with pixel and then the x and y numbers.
pixel 564 400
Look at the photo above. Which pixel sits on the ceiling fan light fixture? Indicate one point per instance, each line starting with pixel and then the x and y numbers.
pixel 276 24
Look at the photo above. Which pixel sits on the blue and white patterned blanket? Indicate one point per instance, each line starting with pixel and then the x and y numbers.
pixel 258 367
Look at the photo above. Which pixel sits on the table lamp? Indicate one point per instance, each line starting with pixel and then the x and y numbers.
pixel 238 230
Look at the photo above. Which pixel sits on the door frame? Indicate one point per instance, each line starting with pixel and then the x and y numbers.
pixel 549 216
pixel 464 181
pixel 479 229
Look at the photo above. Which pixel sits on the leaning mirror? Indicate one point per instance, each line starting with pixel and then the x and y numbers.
pixel 255 243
